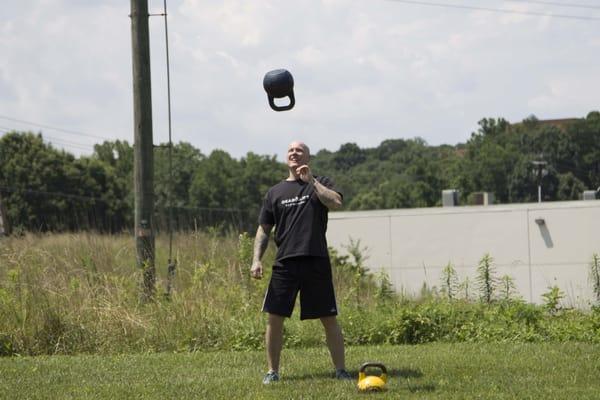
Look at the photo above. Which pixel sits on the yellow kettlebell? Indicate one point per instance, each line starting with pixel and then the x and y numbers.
pixel 372 383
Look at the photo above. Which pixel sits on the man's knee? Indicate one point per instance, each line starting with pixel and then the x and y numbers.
pixel 330 323
pixel 275 321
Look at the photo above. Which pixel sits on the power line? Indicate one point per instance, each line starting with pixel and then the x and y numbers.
pixel 497 10
pixel 61 143
pixel 553 3
pixel 71 132
pixel 53 140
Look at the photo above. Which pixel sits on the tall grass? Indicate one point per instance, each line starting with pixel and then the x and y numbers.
pixel 79 293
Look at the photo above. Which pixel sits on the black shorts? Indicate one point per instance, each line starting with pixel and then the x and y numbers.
pixel 309 275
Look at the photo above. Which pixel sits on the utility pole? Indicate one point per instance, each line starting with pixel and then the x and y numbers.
pixel 541 172
pixel 4 226
pixel 143 146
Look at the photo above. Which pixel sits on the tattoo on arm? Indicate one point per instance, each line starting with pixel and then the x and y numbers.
pixel 261 241
pixel 330 198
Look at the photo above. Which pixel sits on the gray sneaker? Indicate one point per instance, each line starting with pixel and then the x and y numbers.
pixel 270 377
pixel 342 375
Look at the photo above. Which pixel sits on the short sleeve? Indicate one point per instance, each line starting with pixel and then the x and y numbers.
pixel 329 184
pixel 266 216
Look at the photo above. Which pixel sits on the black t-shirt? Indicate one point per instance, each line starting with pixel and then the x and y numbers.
pixel 299 217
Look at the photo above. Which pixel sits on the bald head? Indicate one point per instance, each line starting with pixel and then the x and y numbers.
pixel 297 143
pixel 298 154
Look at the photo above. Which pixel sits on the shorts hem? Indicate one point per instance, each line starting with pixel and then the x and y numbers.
pixel 279 313
pixel 317 316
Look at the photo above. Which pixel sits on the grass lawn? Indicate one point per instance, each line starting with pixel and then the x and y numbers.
pixel 432 371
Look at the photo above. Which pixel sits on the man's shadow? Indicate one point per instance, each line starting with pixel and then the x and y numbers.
pixel 400 373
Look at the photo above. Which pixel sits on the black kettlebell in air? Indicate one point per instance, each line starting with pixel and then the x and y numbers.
pixel 279 83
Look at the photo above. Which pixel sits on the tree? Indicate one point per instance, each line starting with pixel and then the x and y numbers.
pixel 216 182
pixel 348 156
pixel 186 161
pixel 569 187
pixel 47 189
pixel 259 173
pixel 367 200
pixel 118 156
pixel 107 208
pixel 32 180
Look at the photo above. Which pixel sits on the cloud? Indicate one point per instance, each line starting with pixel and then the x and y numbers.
pixel 364 71
pixel 67 65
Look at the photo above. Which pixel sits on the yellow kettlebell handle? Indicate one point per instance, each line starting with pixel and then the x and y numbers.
pixel 362 375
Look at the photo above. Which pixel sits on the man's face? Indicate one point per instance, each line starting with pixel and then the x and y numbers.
pixel 297 155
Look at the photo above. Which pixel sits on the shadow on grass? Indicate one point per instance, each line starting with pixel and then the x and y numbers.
pixel 425 387
pixel 309 376
pixel 405 373
pixel 392 373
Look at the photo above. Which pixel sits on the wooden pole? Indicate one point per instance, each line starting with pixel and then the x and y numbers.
pixel 143 146
pixel 4 226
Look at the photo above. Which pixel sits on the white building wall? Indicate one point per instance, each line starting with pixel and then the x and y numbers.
pixel 414 245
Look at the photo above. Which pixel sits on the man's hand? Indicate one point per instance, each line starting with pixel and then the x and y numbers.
pixel 257 270
pixel 304 173
pixel 261 241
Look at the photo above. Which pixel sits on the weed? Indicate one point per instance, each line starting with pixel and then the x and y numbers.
pixel 594 276
pixel 385 289
pixel 485 279
pixel 449 281
pixel 465 287
pixel 352 266
pixel 552 299
pixel 357 267
pixel 507 288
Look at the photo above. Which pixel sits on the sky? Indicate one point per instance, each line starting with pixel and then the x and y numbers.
pixel 364 70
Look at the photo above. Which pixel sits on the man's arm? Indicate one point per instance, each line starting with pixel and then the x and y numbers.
pixel 330 198
pixel 261 242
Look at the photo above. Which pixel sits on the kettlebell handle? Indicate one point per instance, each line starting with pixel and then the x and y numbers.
pixel 373 364
pixel 282 108
pixel 361 371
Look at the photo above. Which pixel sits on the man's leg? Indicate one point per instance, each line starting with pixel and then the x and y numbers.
pixel 335 341
pixel 274 340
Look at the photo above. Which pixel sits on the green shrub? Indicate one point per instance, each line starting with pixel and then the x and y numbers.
pixel 552 299
pixel 68 294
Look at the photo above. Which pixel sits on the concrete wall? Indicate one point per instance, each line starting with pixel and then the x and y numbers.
pixel 414 245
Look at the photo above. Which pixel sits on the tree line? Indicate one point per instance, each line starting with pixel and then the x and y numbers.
pixel 497 158
pixel 43 188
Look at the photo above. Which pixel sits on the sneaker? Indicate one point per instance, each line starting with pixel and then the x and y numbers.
pixel 270 377
pixel 342 375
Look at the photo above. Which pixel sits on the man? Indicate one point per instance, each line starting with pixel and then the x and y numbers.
pixel 298 207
